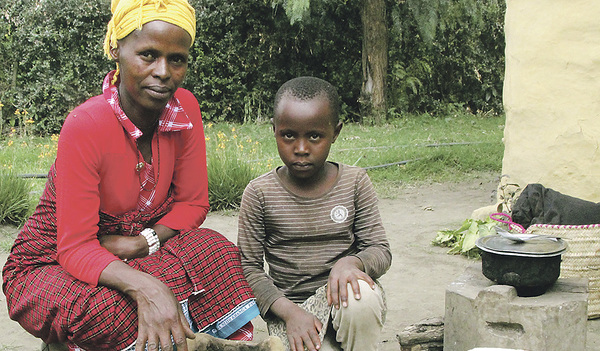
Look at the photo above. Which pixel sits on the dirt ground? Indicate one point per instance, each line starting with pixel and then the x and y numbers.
pixel 420 272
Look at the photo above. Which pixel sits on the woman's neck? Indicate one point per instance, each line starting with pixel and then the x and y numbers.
pixel 145 120
pixel 147 126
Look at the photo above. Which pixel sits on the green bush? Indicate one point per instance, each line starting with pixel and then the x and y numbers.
pixel 245 50
pixel 55 59
pixel 444 56
pixel 14 199
pixel 447 55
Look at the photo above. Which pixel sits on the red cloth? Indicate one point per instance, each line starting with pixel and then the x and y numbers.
pixel 172 118
pixel 245 333
pixel 199 265
pixel 96 172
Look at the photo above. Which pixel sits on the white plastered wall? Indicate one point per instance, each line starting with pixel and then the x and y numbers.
pixel 552 96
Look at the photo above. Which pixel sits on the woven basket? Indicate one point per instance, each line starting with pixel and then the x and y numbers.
pixel 582 258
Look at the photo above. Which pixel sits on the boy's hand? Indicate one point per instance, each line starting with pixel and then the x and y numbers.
pixel 347 270
pixel 302 327
pixel 303 330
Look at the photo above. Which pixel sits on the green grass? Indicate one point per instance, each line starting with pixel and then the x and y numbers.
pixel 14 199
pixel 228 175
pixel 411 138
pixel 438 149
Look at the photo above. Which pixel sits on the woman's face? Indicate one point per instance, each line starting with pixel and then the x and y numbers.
pixel 152 62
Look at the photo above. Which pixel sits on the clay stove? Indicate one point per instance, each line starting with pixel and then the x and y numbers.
pixel 480 313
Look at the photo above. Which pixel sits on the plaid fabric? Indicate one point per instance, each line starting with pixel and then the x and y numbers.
pixel 245 333
pixel 173 118
pixel 148 182
pixel 199 265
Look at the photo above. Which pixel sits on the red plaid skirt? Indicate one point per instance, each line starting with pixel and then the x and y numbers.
pixel 199 265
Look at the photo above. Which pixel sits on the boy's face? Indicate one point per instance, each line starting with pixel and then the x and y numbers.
pixel 304 132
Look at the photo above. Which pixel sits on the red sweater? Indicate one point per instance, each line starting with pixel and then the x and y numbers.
pixel 95 167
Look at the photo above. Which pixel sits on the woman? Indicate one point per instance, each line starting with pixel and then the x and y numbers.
pixel 113 258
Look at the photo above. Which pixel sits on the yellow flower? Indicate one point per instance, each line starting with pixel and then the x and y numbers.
pixel 29 121
pixel 54 137
pixel 24 112
pixel 209 125
pixel 10 142
pixel 207 138
pixel 1 104
pixel 17 112
pixel 233 129
pixel 234 136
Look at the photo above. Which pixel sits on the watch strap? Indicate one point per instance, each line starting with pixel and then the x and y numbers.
pixel 152 239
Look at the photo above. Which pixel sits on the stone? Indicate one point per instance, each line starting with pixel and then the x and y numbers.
pixel 426 335
pixel 479 313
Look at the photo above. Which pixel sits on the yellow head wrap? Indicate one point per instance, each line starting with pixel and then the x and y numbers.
pixel 129 15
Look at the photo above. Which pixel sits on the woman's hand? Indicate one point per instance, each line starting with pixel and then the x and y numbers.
pixel 125 247
pixel 302 327
pixel 159 313
pixel 160 317
pixel 346 270
pixel 130 247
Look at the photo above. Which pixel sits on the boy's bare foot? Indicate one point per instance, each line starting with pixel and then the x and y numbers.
pixel 205 342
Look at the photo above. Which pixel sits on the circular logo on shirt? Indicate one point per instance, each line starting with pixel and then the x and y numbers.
pixel 339 214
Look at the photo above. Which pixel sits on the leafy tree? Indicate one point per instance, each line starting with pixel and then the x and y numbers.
pixel 447 55
pixel 245 50
pixel 6 67
pixel 444 55
pixel 54 51
pixel 374 51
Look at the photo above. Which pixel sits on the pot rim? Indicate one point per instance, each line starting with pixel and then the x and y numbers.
pixel 481 244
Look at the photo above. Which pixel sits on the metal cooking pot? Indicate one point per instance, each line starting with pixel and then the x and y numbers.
pixel 531 267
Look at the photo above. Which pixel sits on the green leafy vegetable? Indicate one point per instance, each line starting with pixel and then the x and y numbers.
pixel 462 240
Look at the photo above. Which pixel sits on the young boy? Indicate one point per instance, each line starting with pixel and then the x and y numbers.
pixel 318 226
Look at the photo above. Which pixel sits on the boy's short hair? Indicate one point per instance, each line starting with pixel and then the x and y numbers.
pixel 306 88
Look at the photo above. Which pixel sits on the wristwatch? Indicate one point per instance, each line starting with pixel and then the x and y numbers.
pixel 152 239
